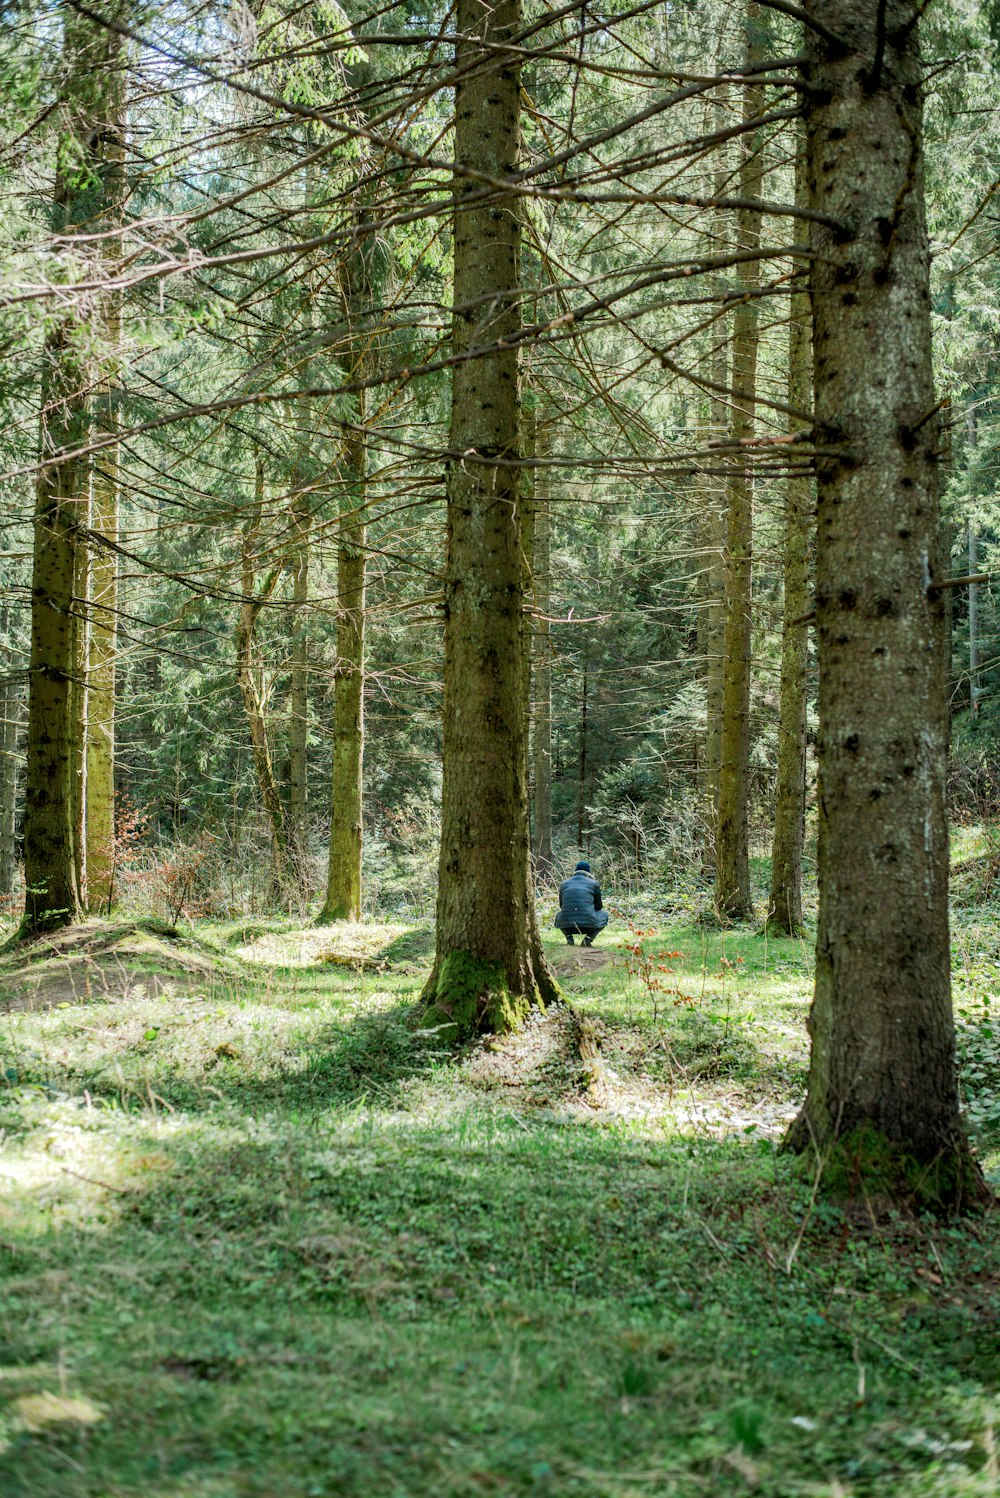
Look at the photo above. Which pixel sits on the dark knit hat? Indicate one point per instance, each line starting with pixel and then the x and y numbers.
pixel 584 865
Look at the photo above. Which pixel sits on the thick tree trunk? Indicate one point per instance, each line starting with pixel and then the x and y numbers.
pixel 785 903
pixel 88 177
pixel 343 886
pixel 543 653
pixel 882 1082
pixel 56 673
pixel 50 860
pixel 248 679
pixel 732 865
pixel 488 965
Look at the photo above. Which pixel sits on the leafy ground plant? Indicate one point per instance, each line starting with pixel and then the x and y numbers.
pixel 260 1235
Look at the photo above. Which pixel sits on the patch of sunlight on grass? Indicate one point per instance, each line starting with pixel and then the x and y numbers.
pixel 354 941
pixel 968 840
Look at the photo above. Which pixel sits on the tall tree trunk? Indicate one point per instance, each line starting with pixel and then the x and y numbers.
pixel 298 695
pixel 99 771
pixel 785 903
pixel 714 542
pixel 882 1078
pixel 301 528
pixel 56 673
pixel 79 693
pixel 714 622
pixel 581 776
pixel 543 651
pixel 10 708
pixel 527 511
pixel 732 865
pixel 488 965
pixel 248 679
pixel 974 683
pixel 100 765
pixel 343 885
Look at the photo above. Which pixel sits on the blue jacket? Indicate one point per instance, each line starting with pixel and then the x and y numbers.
pixel 580 904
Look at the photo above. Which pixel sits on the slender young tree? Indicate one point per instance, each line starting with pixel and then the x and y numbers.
pixel 714 534
pixel 975 685
pixel 301 545
pixel 343 885
pixel 10 710
pixel 298 693
pixel 248 679
pixel 732 861
pixel 882 1079
pixel 785 904
pixel 488 966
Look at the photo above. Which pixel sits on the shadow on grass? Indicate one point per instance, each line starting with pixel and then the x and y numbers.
pixel 368 1057
pixel 412 946
pixel 403 1311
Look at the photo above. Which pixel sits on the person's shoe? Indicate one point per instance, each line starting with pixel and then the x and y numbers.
pixel 570 940
pixel 588 941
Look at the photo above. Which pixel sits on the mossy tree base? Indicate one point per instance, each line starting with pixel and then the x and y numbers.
pixel 331 914
pixel 864 1164
pixel 468 995
pixel 779 925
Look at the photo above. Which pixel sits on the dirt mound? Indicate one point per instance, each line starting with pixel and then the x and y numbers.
pixel 581 960
pixel 101 962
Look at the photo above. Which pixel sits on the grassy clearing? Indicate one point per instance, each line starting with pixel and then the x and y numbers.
pixel 260 1236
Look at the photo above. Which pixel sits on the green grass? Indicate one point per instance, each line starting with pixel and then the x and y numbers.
pixel 275 1241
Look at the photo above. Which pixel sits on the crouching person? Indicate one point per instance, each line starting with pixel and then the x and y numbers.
pixel 580 912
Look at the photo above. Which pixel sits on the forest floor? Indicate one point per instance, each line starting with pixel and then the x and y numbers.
pixel 261 1235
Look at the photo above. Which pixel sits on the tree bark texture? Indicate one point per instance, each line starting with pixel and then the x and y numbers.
pixel 248 679
pixel 488 964
pixel 301 540
pixel 785 903
pixel 298 696
pixel 882 1070
pixel 343 888
pixel 542 652
pixel 974 682
pixel 732 866
pixel 581 765
pixel 10 711
pixel 527 513
pixel 100 765
pixel 102 646
pixel 57 669
pixel 79 695
pixel 714 538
